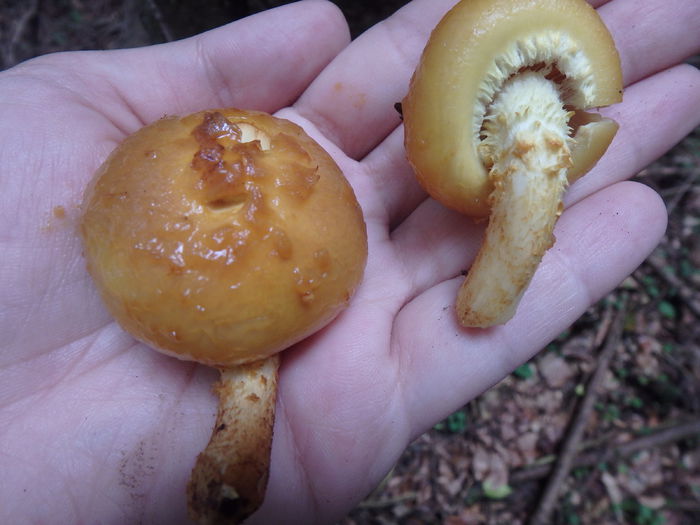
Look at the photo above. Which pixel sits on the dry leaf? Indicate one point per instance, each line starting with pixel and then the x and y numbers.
pixel 527 446
pixel 480 463
pixel 655 501
pixel 555 370
pixel 614 492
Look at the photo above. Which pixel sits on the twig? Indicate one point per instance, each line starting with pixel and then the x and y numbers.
pixel 657 264
pixel 656 439
pixel 668 435
pixel 571 443
pixel 388 502
pixel 17 30
pixel 684 505
pixel 603 328
pixel 682 191
pixel 160 20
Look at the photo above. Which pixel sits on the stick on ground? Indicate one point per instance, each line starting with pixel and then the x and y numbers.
pixel 658 438
pixel 570 447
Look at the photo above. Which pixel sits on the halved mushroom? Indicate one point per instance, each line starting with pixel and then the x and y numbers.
pixel 224 237
pixel 497 124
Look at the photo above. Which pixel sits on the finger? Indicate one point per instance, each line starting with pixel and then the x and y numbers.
pixel 601 241
pixel 652 35
pixel 436 244
pixel 352 101
pixel 395 186
pixel 262 62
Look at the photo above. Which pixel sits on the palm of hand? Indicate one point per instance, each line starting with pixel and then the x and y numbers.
pixel 112 428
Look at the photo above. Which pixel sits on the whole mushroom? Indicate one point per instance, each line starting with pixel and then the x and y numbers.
pixel 498 123
pixel 224 237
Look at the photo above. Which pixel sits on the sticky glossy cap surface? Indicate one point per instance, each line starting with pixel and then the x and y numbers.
pixel 223 237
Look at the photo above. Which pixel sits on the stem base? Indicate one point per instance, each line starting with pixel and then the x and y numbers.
pixel 230 476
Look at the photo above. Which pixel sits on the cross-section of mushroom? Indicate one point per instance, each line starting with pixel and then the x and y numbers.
pixel 224 237
pixel 498 122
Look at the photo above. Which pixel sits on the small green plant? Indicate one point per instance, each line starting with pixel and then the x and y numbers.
pixel 496 492
pixel 667 310
pixel 455 423
pixel 76 16
pixel 524 371
pixel 645 431
pixel 580 473
pixel 651 286
pixel 566 334
pixel 640 514
pixel 622 372
pixel 609 411
pixel 571 518
pixel 569 513
pixel 634 402
pixel 687 268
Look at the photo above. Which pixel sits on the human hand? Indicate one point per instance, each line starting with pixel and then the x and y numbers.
pixel 97 428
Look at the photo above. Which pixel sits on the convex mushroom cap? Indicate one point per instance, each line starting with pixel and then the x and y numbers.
pixel 224 236
pixel 472 52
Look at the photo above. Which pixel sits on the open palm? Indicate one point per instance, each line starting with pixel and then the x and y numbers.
pixel 97 428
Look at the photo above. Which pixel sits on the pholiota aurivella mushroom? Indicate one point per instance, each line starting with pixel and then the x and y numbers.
pixel 498 122
pixel 224 237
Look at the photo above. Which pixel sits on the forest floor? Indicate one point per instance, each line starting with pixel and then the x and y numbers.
pixel 602 426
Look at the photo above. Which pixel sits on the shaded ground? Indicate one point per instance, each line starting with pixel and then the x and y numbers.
pixel 638 459
pixel 32 27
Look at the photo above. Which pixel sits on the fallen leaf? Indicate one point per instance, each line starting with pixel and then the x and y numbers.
pixel 496 491
pixel 497 477
pixel 527 446
pixel 555 370
pixel 655 501
pixel 614 493
pixel 480 463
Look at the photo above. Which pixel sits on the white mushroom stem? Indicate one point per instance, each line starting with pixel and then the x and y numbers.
pixel 527 147
pixel 230 476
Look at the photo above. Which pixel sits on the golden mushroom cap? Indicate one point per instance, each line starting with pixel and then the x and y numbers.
pixel 471 53
pixel 223 237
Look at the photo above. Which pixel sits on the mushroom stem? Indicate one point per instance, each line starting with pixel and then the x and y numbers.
pixel 527 149
pixel 230 476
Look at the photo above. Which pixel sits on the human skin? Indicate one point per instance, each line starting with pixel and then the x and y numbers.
pixel 97 428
